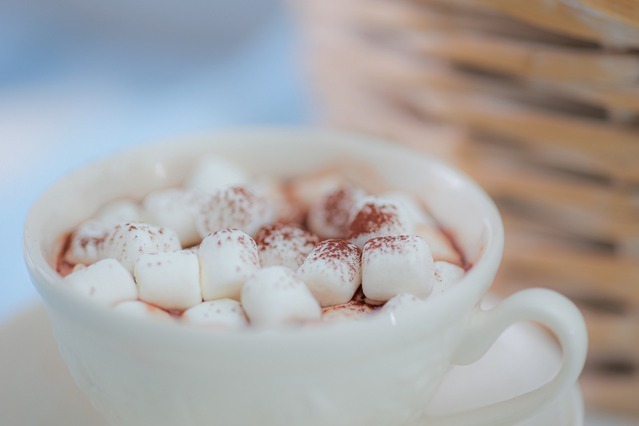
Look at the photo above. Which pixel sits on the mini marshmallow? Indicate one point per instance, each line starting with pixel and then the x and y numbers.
pixel 402 302
pixel 215 173
pixel 332 271
pixel 78 266
pixel 440 246
pixel 193 249
pixel 105 282
pixel 330 215
pixel 128 241
pixel 137 309
pixel 119 211
pixel 275 296
pixel 373 302
pixel 307 189
pixel 86 243
pixel 414 211
pixel 278 193
pixel 169 280
pixel 227 259
pixel 175 209
pixel 235 207
pixel 397 264
pixel 284 245
pixel 446 276
pixel 346 312
pixel 222 313
pixel 377 217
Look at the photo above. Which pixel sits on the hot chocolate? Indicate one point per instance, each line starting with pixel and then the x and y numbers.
pixel 227 250
pixel 377 366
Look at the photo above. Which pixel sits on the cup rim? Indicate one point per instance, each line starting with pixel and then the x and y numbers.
pixel 59 299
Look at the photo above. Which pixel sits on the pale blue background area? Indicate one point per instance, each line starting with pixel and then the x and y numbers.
pixel 68 95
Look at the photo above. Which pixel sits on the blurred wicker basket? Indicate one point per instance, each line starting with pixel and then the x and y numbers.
pixel 538 101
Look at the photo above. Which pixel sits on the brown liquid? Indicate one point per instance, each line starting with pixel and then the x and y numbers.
pixel 63 267
pixel 453 242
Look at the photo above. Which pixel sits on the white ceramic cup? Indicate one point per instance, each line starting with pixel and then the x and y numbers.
pixel 380 371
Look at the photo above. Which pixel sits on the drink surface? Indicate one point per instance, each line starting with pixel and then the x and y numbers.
pixel 230 250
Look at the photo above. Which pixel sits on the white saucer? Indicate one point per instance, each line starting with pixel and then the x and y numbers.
pixel 36 388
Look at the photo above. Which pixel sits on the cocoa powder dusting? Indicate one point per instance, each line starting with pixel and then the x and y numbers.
pixel 84 242
pixel 391 243
pixel 277 232
pixel 337 206
pixel 357 303
pixel 265 234
pixel 241 201
pixel 337 249
pixel 370 219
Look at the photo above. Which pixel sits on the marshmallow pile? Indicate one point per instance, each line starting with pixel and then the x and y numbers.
pixel 228 250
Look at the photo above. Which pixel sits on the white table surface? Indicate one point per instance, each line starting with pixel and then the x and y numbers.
pixel 65 100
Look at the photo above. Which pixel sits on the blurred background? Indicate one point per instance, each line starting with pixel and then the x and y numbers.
pixel 79 79
pixel 538 101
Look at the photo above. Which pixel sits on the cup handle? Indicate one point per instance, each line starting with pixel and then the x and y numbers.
pixel 546 307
